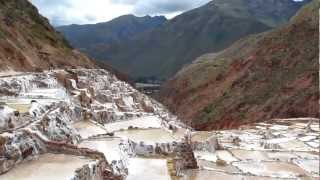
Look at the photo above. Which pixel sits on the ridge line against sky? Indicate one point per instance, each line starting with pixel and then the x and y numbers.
pixel 65 12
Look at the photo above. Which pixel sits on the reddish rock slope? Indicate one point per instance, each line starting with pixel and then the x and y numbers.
pixel 28 42
pixel 269 75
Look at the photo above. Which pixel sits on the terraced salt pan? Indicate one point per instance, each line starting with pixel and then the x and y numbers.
pixel 209 165
pixel 22 108
pixel 49 93
pixel 314 144
pixel 142 122
pixel 201 136
pixel 108 146
pixel 208 175
pixel 270 169
pixel 148 169
pixel 221 154
pixel 282 156
pixel 203 155
pixel 87 129
pixel 249 155
pixel 307 138
pixel 295 145
pixel 311 166
pixel 47 167
pixel 308 155
pixel 149 136
pixel 315 127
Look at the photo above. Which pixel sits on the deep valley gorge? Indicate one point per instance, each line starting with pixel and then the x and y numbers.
pixel 227 90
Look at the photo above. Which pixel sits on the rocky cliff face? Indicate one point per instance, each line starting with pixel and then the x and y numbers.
pixel 28 42
pixel 269 75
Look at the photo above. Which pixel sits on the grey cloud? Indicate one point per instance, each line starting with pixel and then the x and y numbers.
pixel 56 10
pixel 52 3
pixel 144 7
pixel 130 2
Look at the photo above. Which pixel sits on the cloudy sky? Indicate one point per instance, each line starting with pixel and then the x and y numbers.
pixel 62 12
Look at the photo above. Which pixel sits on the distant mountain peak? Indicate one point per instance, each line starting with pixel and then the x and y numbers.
pixel 157 47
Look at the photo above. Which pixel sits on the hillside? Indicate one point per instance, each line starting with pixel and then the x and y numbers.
pixel 28 42
pixel 269 75
pixel 162 51
pixel 94 38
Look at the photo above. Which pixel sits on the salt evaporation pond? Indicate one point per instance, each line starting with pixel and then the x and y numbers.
pixel 142 122
pixel 208 175
pixel 108 146
pixel 47 167
pixel 147 169
pixel 149 136
pixel 271 169
pixel 249 155
pixel 201 136
pixel 87 129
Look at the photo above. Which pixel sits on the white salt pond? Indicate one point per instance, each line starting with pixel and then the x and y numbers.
pixel 249 155
pixel 270 169
pixel 311 166
pixel 213 157
pixel 87 129
pixel 108 146
pixel 213 175
pixel 47 167
pixel 149 136
pixel 201 136
pixel 142 122
pixel 148 169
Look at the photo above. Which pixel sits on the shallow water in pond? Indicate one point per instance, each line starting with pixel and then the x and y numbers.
pixel 87 129
pixel 46 167
pixel 149 136
pixel 142 122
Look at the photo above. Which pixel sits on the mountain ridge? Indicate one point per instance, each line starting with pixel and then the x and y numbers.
pixel 89 37
pixel 163 50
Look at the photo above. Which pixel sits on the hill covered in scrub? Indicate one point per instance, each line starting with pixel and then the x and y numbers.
pixel 94 38
pixel 28 42
pixel 269 75
pixel 163 50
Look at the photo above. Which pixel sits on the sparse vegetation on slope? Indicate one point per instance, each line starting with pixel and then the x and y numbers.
pixel 269 75
pixel 28 42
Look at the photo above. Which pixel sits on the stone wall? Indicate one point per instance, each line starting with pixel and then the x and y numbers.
pixel 18 147
pixel 210 145
pixel 183 153
pixel 96 171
